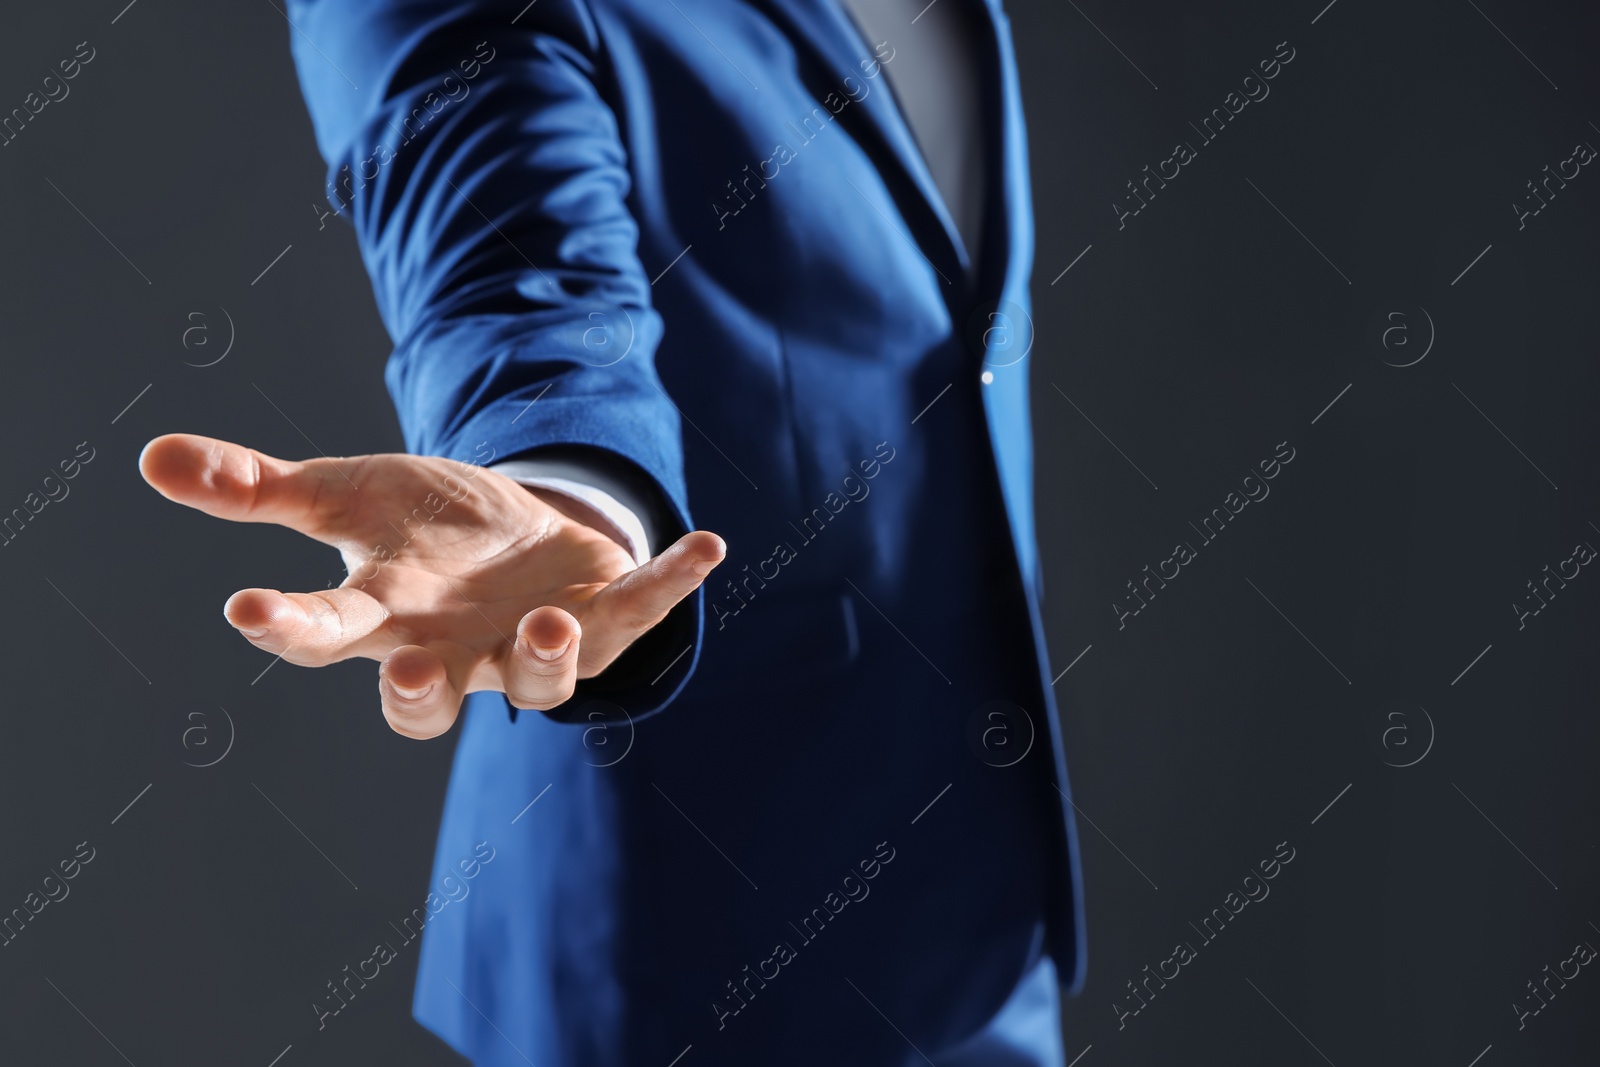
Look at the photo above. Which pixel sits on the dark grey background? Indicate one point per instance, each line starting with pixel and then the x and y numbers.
pixel 1223 719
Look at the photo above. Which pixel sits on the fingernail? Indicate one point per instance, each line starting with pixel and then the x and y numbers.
pixel 702 567
pixel 551 654
pixel 250 633
pixel 411 694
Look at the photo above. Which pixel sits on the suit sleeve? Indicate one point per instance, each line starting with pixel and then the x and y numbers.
pixel 472 147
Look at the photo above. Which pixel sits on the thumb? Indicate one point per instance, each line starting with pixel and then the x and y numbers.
pixel 621 612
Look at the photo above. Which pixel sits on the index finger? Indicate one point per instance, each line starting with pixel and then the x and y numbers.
pixel 233 482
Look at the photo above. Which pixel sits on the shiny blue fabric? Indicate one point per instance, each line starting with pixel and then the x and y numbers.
pixel 695 240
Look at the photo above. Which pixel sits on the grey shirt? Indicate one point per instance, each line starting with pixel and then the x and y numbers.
pixel 935 78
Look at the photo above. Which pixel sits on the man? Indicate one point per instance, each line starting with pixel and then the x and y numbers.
pixel 761 263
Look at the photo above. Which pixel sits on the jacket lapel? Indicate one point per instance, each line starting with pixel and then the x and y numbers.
pixel 1010 191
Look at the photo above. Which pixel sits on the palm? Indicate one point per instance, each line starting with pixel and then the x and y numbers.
pixel 469 557
pixel 459 578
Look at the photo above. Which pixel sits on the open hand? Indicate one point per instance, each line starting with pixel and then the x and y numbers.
pixel 460 579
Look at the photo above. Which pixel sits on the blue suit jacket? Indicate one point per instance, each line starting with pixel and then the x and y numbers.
pixel 695 241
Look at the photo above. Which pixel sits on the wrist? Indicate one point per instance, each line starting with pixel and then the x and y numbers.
pixel 585 514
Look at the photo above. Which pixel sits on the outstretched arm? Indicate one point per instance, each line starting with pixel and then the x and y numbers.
pixel 472 146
